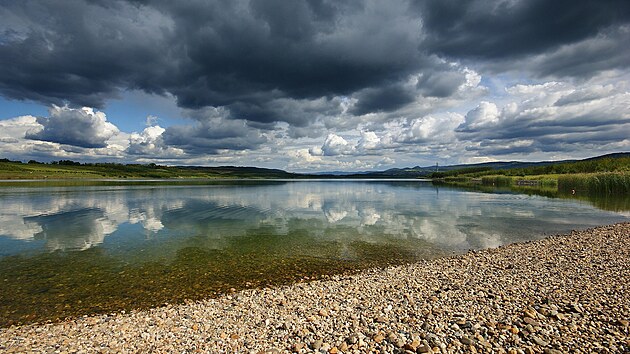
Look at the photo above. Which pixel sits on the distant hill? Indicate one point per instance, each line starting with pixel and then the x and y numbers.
pixel 237 172
pixel 66 169
pixel 340 173
pixel 420 172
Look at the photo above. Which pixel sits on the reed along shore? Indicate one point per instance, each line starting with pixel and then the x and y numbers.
pixel 566 293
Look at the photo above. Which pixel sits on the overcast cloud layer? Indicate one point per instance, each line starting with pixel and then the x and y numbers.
pixel 319 85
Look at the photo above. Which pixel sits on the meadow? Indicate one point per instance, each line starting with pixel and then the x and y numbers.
pixel 603 176
pixel 66 169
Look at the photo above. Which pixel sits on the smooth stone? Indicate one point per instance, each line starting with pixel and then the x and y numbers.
pixel 378 338
pixel 531 321
pixel 423 349
pixel 296 347
pixel 317 344
pixel 413 346
pixel 466 341
pixel 539 341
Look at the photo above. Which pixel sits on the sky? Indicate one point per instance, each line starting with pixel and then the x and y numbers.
pixel 313 85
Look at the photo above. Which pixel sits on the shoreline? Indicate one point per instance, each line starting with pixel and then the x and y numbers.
pixel 564 293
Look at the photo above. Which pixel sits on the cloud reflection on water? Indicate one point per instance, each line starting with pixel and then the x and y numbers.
pixel 375 212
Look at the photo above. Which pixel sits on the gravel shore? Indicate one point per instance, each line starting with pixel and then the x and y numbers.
pixel 566 293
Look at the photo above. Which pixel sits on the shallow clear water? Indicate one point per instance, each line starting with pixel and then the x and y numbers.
pixel 84 249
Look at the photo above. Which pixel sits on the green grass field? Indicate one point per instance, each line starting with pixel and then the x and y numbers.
pixel 17 170
pixel 591 183
pixel 602 176
pixel 595 176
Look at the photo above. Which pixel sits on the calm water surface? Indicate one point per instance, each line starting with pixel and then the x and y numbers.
pixel 67 251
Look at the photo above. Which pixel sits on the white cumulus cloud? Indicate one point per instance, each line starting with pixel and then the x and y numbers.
pixel 336 145
pixel 484 115
pixel 82 127
pixel 149 143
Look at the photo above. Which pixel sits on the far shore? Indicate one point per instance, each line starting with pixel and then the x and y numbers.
pixel 565 293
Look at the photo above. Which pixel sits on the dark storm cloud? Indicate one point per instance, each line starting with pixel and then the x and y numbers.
pixel 262 60
pixel 78 51
pixel 440 84
pixel 251 55
pixel 382 99
pixel 235 54
pixel 498 32
pixel 608 50
pixel 212 137
pixel 495 29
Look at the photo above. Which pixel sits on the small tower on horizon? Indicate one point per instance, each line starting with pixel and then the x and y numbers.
pixel 436 167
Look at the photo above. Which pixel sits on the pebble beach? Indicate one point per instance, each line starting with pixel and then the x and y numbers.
pixel 563 294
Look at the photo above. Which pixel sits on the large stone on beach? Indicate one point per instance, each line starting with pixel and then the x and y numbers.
pixel 539 341
pixel 531 321
pixel 413 346
pixel 424 349
pixel 317 344
pixel 296 347
pixel 466 341
pixel 530 312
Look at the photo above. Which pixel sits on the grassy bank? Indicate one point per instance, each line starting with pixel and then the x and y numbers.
pixel 71 170
pixel 542 181
pixel 582 183
pixel 605 176
pixel 595 183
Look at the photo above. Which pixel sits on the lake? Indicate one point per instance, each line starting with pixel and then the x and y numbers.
pixel 107 246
